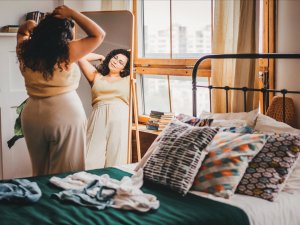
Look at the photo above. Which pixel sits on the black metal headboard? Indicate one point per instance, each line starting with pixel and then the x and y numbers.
pixel 264 90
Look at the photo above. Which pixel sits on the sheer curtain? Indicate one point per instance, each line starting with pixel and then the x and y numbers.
pixel 234 31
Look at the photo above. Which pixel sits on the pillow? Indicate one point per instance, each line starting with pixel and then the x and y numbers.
pixel 268 124
pixel 229 123
pixel 178 155
pixel 194 121
pixel 250 117
pixel 265 176
pixel 293 181
pixel 226 161
pixel 244 129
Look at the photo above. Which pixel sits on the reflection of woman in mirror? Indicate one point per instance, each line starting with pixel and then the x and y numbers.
pixel 53 119
pixel 107 135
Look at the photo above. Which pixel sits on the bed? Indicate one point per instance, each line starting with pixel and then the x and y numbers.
pixel 194 208
pixel 174 209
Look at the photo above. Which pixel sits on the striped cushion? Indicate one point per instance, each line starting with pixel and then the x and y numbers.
pixel 178 155
pixel 226 162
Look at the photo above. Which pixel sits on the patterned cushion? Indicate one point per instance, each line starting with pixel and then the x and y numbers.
pixel 267 172
pixel 229 123
pixel 194 121
pixel 244 129
pixel 249 117
pixel 226 161
pixel 178 155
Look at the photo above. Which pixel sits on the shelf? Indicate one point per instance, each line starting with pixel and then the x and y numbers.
pixel 143 128
pixel 3 34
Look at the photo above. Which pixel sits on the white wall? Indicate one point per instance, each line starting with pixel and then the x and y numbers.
pixel 288 41
pixel 82 5
pixel 14 12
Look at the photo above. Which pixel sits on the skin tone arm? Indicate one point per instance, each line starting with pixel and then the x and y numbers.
pixel 95 34
pixel 87 68
pixel 24 31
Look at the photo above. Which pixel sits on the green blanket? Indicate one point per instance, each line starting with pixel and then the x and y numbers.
pixel 174 209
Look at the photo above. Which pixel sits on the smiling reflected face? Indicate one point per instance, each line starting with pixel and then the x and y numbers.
pixel 117 63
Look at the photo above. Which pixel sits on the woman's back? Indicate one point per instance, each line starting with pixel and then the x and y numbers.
pixel 61 82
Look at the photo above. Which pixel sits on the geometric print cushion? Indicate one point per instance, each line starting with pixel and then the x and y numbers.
pixel 243 129
pixel 265 176
pixel 226 161
pixel 178 155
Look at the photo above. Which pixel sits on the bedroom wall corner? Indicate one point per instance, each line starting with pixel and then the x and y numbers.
pixel 287 41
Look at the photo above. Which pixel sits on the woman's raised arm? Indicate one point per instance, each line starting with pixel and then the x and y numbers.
pixel 95 34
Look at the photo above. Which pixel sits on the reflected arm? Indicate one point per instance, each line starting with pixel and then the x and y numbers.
pixel 88 70
pixel 93 57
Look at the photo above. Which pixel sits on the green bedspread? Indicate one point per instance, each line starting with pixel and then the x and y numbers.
pixel 174 209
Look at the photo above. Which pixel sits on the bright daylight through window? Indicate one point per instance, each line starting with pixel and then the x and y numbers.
pixel 176 29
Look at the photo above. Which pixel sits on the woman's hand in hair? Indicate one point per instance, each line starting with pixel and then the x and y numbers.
pixel 63 12
pixel 27 27
pixel 25 30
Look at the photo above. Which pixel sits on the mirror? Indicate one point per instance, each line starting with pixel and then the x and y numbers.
pixel 109 119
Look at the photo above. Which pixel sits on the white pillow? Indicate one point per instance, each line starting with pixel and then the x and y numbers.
pixel 292 183
pixel 228 123
pixel 268 124
pixel 249 117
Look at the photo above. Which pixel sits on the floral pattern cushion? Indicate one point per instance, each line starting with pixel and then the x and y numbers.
pixel 266 174
pixel 243 129
pixel 226 161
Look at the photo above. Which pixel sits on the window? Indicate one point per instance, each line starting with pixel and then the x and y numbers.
pixel 172 35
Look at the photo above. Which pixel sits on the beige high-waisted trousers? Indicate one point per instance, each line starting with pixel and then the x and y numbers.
pixel 55 133
pixel 107 135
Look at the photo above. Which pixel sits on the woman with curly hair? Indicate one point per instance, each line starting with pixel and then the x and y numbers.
pixel 107 134
pixel 53 119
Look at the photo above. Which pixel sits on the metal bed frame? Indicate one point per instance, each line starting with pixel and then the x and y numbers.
pixel 265 90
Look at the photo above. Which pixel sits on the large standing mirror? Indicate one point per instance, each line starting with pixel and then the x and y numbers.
pixel 109 139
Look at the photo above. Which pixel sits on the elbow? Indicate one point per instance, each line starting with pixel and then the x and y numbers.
pixel 101 36
pixel 81 61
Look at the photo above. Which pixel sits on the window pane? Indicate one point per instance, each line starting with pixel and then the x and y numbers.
pixel 191 28
pixel 156 95
pixel 156 28
pixel 181 95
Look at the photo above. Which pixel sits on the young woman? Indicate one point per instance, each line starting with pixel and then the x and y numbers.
pixel 53 119
pixel 107 134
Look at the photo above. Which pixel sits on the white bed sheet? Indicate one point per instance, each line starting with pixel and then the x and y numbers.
pixel 285 211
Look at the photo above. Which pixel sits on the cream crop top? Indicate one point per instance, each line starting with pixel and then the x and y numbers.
pixel 61 82
pixel 106 91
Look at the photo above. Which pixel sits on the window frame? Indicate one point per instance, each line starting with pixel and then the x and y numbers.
pixel 268 45
pixel 165 66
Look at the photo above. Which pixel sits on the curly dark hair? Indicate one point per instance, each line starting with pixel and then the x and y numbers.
pixel 103 68
pixel 47 46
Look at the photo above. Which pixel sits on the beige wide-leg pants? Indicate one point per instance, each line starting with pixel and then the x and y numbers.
pixel 107 135
pixel 55 133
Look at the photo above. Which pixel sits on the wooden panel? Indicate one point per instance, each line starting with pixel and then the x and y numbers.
pixel 269 9
pixel 146 139
pixel 176 72
pixel 173 62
